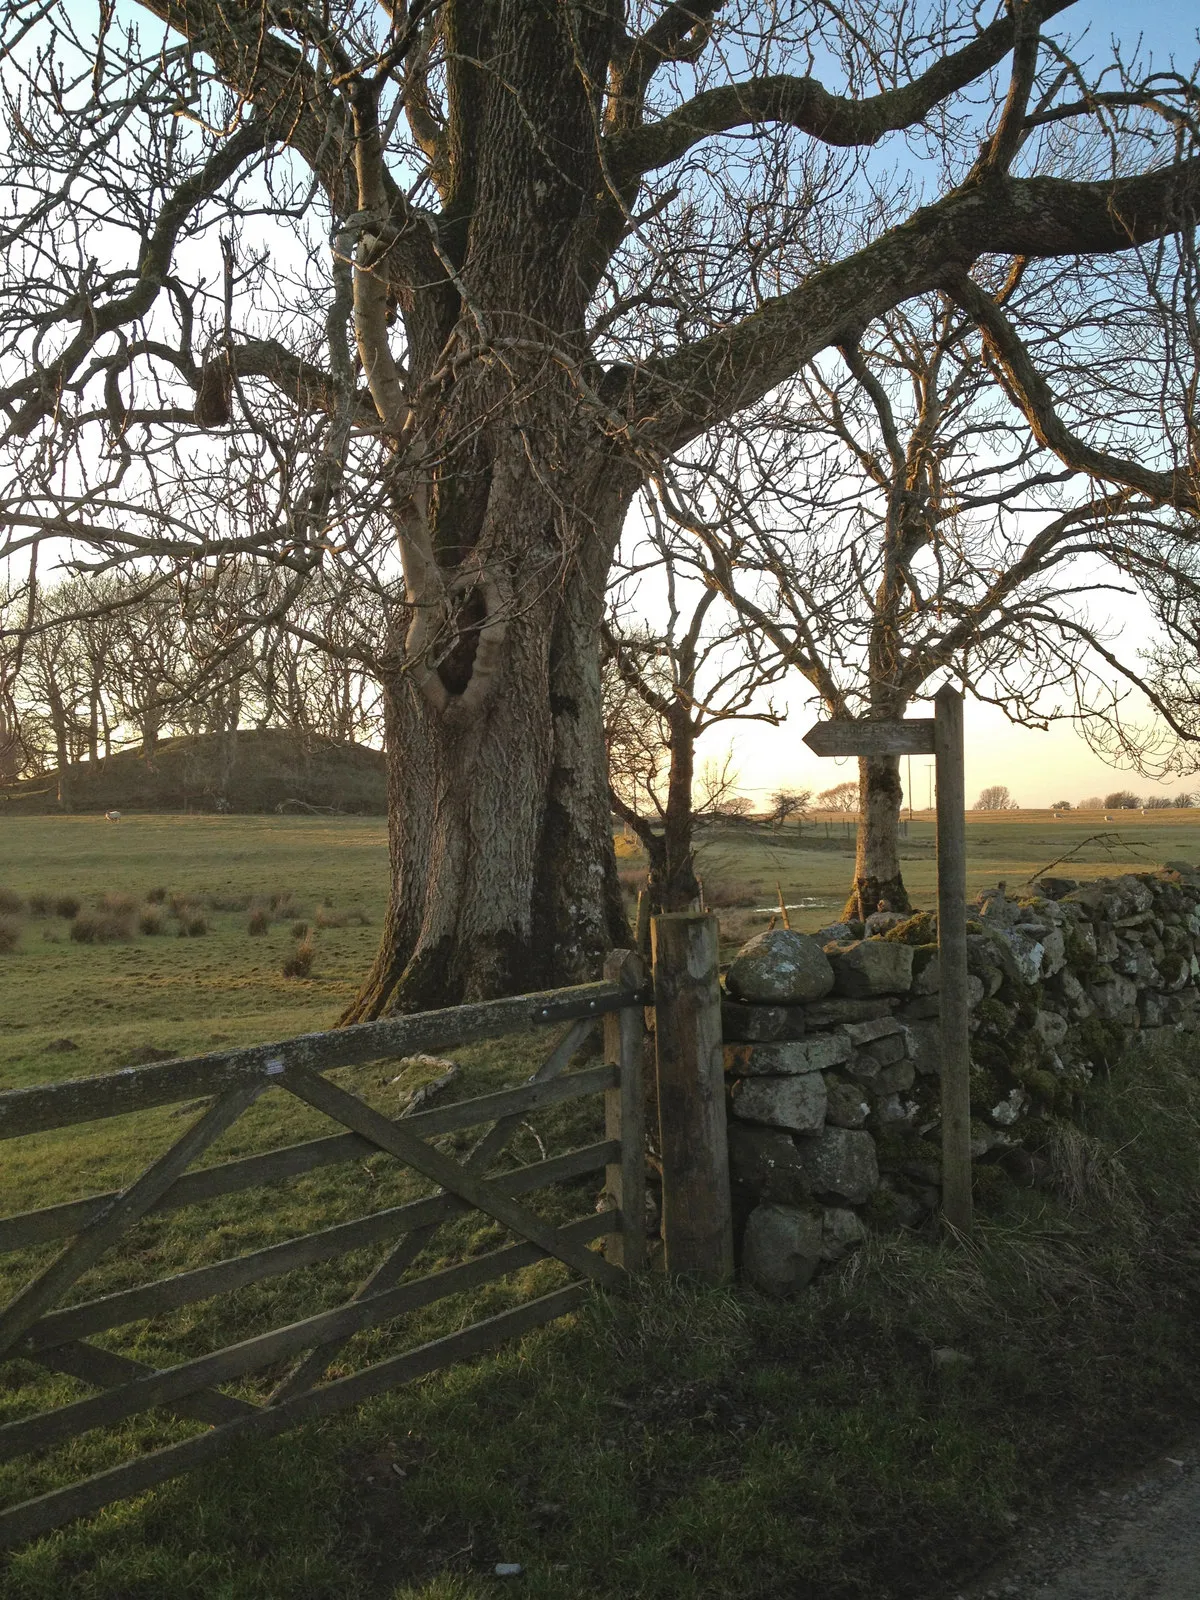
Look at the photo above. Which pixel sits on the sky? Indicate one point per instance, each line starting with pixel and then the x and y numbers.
pixel 1039 767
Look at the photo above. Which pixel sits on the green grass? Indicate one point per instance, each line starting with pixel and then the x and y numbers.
pixel 814 865
pixel 171 994
pixel 677 1444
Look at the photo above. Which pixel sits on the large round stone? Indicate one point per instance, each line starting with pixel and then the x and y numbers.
pixel 780 967
pixel 782 1248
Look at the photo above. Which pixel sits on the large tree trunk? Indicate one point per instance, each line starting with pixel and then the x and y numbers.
pixel 877 879
pixel 502 862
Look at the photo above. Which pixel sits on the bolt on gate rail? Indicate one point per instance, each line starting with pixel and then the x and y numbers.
pixel 37 1326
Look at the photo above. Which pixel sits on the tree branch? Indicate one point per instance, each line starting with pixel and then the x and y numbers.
pixel 1030 391
pixel 806 104
pixel 672 400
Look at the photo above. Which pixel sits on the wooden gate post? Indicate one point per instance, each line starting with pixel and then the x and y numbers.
pixel 697 1210
pixel 625 1115
pixel 952 958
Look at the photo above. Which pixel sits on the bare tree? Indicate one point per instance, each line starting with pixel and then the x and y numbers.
pixel 996 798
pixel 785 803
pixel 665 688
pixel 843 797
pixel 452 280
pixel 908 520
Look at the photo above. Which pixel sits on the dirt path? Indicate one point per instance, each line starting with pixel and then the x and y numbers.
pixel 1139 1541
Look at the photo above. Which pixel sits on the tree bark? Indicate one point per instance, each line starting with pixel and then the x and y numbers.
pixel 501 853
pixel 877 877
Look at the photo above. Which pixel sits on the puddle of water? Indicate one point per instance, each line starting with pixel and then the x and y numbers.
pixel 792 905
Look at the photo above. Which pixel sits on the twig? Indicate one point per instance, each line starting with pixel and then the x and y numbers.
pixel 1107 841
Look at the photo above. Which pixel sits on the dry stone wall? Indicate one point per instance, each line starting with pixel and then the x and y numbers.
pixel 832 1051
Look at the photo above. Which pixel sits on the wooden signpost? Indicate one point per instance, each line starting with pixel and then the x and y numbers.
pixel 940 736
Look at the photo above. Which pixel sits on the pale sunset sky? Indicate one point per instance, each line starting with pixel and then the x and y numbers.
pixel 1038 767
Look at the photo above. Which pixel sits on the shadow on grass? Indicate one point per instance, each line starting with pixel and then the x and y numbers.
pixel 882 1436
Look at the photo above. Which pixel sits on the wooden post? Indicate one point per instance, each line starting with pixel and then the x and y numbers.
pixel 952 954
pixel 641 938
pixel 625 1115
pixel 697 1211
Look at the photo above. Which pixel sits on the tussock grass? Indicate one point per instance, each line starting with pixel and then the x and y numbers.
pixel 67 906
pixel 11 903
pixel 40 905
pixel 259 923
pixel 10 933
pixel 151 922
pixel 101 927
pixel 299 930
pixel 118 904
pixel 300 963
pixel 193 925
pixel 227 902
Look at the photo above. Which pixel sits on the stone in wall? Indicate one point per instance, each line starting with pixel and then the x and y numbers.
pixel 764 1163
pixel 841 1163
pixel 871 967
pixel 781 1247
pixel 846 1104
pixel 823 1013
pixel 797 1103
pixel 780 966
pixel 746 1024
pixel 1060 979
pixel 814 1054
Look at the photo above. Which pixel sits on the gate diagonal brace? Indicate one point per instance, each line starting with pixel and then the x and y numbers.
pixel 478 1192
pixel 104 1230
pixel 108 1370
pixel 311 1368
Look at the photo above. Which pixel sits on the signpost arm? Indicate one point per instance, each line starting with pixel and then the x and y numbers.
pixel 952 952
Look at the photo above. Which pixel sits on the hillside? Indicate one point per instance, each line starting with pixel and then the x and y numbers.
pixel 256 769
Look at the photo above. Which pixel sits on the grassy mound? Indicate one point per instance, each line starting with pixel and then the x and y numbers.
pixel 256 769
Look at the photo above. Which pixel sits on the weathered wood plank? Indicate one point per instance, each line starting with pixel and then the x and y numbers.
pixel 625 1117
pixel 913 737
pixel 99 1235
pixel 105 1368
pixel 423 1158
pixel 957 1206
pixel 697 1207
pixel 114 1094
pixel 311 1367
pixel 235 1361
pixel 33 1517
pixel 39 1227
pixel 201 1283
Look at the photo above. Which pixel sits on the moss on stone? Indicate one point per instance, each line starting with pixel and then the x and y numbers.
pixel 919 929
pixel 1101 1042
pixel 992 1014
pixel 1173 967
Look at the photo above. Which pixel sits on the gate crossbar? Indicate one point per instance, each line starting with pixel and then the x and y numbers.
pixel 31 1327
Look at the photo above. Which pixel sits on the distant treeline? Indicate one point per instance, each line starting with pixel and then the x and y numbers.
pixel 97 663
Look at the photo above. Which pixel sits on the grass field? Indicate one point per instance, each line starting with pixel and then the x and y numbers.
pixel 180 995
pixel 698 1445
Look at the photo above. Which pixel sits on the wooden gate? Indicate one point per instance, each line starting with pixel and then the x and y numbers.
pixel 44 1324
